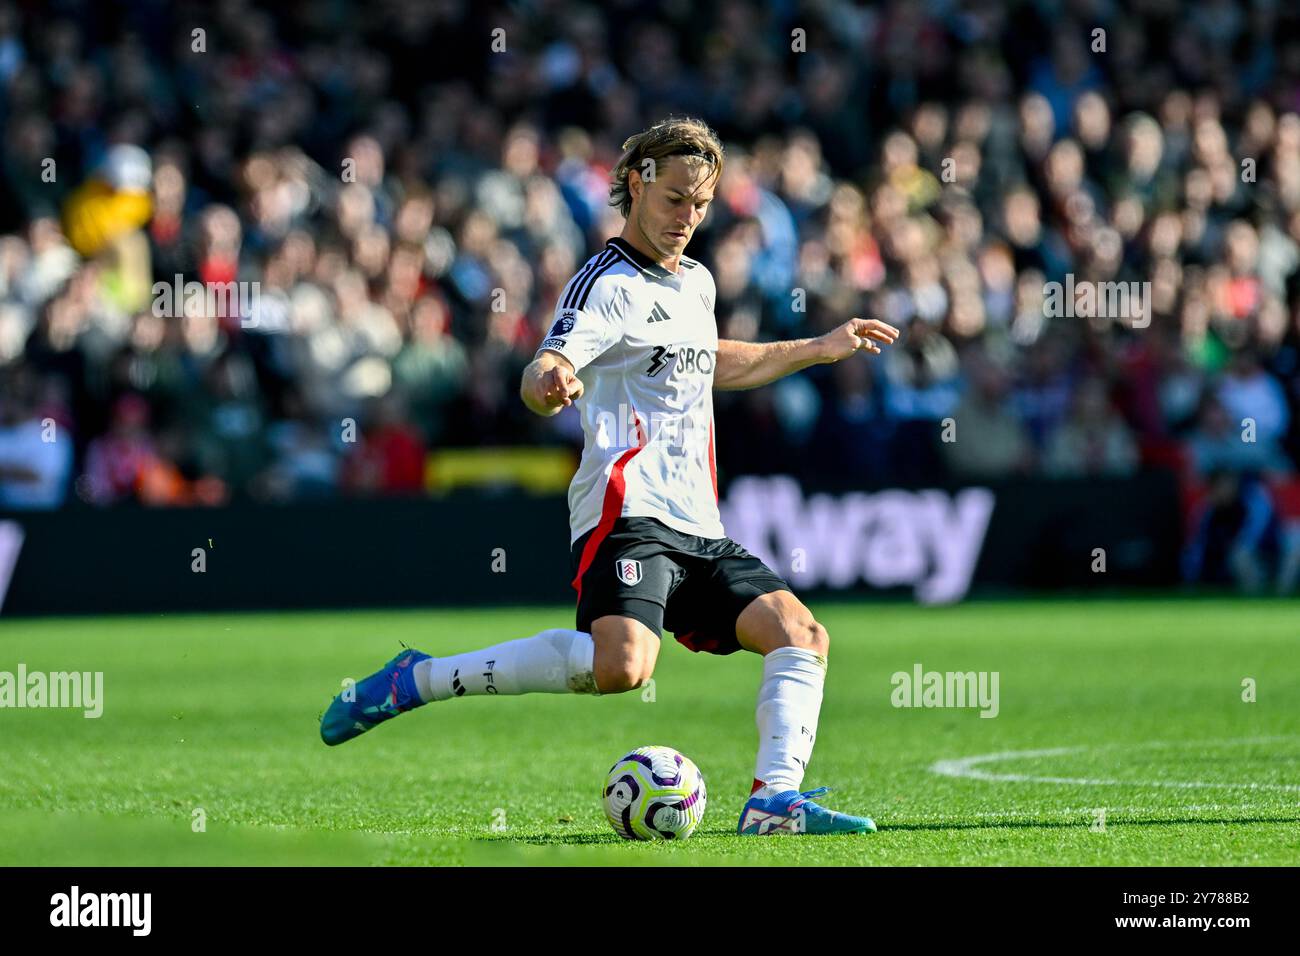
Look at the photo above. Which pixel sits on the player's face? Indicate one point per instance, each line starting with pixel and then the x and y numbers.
pixel 673 205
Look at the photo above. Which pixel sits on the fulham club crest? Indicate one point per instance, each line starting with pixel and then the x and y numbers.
pixel 628 571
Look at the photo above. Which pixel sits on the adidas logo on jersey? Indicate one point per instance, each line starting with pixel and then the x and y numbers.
pixel 657 314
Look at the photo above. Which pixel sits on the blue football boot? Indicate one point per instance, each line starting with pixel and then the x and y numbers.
pixel 381 696
pixel 794 812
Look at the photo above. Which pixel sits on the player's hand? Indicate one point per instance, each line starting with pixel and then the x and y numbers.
pixel 857 335
pixel 560 387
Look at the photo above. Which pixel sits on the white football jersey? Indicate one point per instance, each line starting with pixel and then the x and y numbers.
pixel 644 342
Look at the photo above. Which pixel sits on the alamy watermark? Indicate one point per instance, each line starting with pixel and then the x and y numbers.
pixel 629 428
pixel 57 689
pixel 922 688
pixel 75 908
pixel 1126 301
pixel 173 299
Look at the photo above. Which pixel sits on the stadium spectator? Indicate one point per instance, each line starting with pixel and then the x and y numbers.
pixel 409 206
pixel 35 458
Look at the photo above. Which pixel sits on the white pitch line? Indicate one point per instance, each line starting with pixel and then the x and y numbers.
pixel 967 768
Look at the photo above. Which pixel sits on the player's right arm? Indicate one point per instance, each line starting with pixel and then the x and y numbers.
pixel 588 321
pixel 549 384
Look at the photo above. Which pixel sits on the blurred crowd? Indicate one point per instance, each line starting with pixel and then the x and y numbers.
pixel 410 183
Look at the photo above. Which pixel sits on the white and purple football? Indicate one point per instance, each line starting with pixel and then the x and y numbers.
pixel 654 793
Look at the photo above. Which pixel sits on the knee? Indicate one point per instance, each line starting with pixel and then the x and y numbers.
pixel 618 677
pixel 624 665
pixel 780 620
pixel 809 635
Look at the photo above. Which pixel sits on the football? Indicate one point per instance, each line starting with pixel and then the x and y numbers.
pixel 654 793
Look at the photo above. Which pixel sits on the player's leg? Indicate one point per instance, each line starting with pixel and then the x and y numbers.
pixel 622 594
pixel 618 654
pixel 794 647
pixel 612 649
pixel 555 661
pixel 625 653
pixel 624 579
pixel 731 601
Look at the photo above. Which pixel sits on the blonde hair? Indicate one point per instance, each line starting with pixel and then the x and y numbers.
pixel 687 137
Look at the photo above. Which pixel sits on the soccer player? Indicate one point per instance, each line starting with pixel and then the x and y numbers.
pixel 648 549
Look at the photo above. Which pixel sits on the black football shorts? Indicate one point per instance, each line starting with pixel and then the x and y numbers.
pixel 694 587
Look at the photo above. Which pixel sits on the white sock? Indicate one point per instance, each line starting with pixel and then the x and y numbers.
pixel 789 702
pixel 558 661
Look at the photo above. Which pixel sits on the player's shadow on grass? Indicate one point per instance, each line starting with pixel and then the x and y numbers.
pixel 1081 823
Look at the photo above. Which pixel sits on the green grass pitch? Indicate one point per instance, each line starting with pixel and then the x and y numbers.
pixel 1132 706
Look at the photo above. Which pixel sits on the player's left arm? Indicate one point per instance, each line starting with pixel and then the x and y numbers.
pixel 751 364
